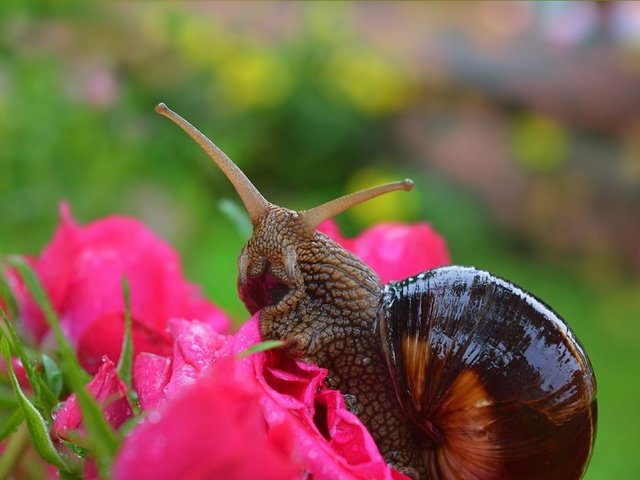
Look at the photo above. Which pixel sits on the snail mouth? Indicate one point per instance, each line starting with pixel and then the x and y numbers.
pixel 262 291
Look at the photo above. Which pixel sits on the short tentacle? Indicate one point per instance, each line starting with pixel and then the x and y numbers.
pixel 313 217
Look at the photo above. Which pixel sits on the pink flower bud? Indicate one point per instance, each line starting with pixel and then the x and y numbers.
pixel 110 393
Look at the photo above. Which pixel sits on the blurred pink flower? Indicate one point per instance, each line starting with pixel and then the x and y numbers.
pixel 16 287
pixel 82 270
pixel 110 393
pixel 18 369
pixel 101 87
pixel 395 251
pixel 329 441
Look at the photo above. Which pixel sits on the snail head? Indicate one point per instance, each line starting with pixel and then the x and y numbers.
pixel 281 264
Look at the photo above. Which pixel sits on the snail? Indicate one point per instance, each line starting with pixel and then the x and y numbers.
pixel 457 374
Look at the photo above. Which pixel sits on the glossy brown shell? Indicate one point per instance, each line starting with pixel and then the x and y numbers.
pixel 495 379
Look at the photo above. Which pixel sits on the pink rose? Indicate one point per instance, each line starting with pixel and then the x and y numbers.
pixel 212 428
pixel 18 369
pixel 82 270
pixel 329 441
pixel 14 282
pixel 196 346
pixel 110 393
pixel 395 251
pixel 207 412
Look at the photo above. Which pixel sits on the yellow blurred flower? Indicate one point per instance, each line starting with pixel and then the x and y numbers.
pixel 255 78
pixel 539 143
pixel 369 81
pixel 396 206
pixel 246 73
pixel 203 42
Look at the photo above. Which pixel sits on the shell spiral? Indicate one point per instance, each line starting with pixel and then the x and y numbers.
pixel 496 380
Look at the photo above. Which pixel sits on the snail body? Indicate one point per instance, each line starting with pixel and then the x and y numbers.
pixel 455 372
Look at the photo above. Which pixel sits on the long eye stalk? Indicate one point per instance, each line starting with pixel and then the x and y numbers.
pixel 253 200
pixel 312 218
pixel 256 205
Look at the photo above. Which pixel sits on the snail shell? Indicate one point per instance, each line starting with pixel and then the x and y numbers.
pixel 496 380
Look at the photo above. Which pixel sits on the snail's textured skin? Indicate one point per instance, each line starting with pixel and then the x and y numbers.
pixel 330 317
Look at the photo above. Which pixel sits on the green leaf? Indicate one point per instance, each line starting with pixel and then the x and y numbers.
pixel 44 397
pixel 125 363
pixel 69 476
pixel 38 428
pixel 40 296
pixel 261 347
pixel 6 294
pixel 238 216
pixel 10 425
pixel 75 448
pixel 126 353
pixel 53 375
pixel 103 442
pixel 129 425
pixel 16 347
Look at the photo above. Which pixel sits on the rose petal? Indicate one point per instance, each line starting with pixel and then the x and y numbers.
pixel 18 369
pixel 395 251
pixel 104 338
pixel 108 390
pixel 212 429
pixel 151 373
pixel 196 346
pixel 54 268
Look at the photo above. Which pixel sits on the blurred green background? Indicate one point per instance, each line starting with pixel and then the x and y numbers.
pixel 519 123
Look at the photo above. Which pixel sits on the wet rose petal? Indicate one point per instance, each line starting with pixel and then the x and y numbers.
pixel 212 428
pixel 196 346
pixel 151 373
pixel 110 393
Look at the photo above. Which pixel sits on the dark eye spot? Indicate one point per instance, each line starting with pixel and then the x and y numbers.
pixel 263 290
